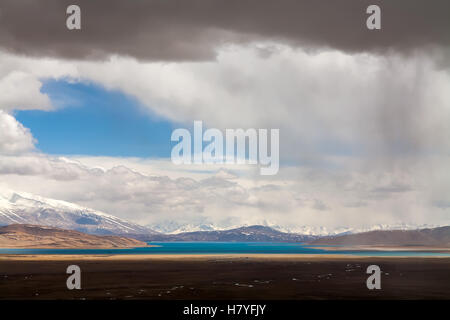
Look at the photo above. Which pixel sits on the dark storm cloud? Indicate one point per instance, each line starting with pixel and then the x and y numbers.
pixel 191 30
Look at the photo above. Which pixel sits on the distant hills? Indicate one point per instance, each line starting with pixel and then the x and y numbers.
pixel 435 237
pixel 243 234
pixel 32 236
pixel 203 224
pixel 424 237
pixel 29 236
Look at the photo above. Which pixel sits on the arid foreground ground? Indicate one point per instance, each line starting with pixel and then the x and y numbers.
pixel 223 277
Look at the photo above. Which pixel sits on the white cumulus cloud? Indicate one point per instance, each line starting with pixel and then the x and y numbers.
pixel 14 137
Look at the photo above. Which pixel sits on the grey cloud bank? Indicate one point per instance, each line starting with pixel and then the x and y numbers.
pixel 173 30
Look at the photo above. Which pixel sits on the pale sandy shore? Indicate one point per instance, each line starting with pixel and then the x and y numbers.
pixel 197 257
pixel 9 246
pixel 380 248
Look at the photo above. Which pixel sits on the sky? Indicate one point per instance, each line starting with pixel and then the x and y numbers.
pixel 86 115
pixel 89 120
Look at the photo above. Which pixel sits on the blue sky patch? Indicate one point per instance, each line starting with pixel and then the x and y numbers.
pixel 90 120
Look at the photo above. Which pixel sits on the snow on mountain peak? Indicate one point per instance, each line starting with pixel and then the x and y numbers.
pixel 26 208
pixel 171 227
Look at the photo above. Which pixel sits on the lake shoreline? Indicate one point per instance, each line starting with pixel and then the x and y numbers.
pixel 196 257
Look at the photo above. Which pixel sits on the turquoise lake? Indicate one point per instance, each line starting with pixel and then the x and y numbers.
pixel 221 248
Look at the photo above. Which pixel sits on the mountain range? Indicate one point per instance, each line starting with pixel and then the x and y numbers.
pixel 172 227
pixel 28 209
pixel 242 234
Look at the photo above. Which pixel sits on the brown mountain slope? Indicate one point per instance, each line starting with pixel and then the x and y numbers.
pixel 436 237
pixel 31 236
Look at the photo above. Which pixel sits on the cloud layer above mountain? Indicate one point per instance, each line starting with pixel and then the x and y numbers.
pixel 299 196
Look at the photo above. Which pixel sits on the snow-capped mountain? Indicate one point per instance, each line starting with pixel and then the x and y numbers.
pixel 171 227
pixel 25 208
pixel 343 230
pixel 242 234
